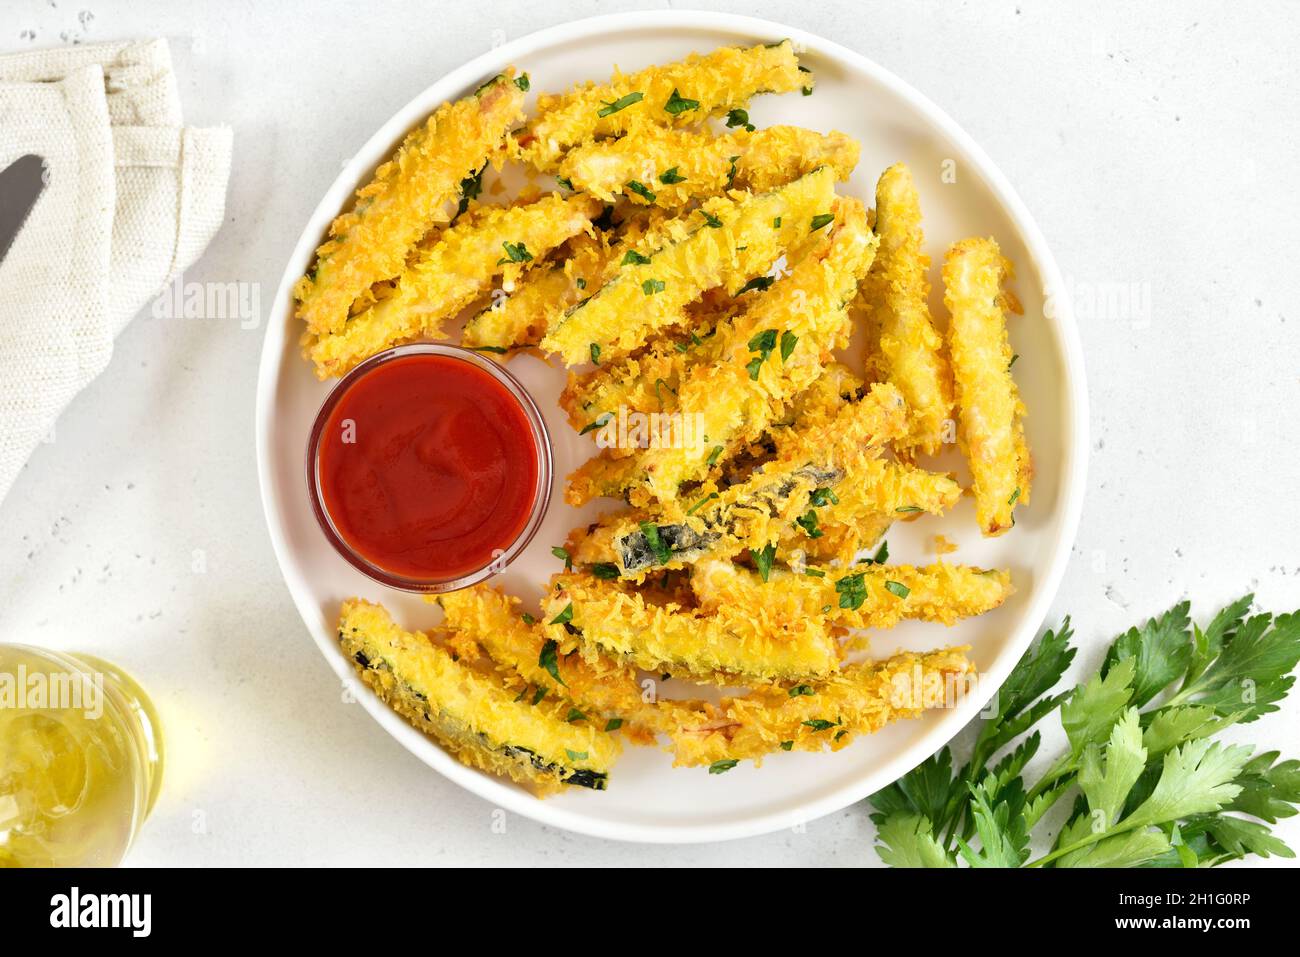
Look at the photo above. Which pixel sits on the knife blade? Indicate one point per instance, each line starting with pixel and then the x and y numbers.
pixel 21 185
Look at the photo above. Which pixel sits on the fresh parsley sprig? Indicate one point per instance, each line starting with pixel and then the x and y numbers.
pixel 1150 786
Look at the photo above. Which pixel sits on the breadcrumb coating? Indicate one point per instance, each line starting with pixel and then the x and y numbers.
pixel 734 241
pixel 601 617
pixel 990 413
pixel 714 83
pixel 495 241
pixel 473 715
pixel 861 596
pixel 908 352
pixel 407 196
pixel 860 699
pixel 733 400
pixel 667 167
pixel 596 684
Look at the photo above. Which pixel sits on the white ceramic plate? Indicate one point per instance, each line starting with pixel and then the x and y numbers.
pixel 648 800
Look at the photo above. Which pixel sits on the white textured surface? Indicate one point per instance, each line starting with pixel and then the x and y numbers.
pixel 1155 147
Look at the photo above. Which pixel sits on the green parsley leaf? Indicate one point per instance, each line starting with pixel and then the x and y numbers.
pixel 641 189
pixel 670 176
pixel 613 724
pixel 802 691
pixel 760 283
pixel 560 553
pixel 763 560
pixel 595 354
pixel 897 588
pixel 521 81
pixel 652 286
pixel 549 658
pixel 678 104
pixel 739 117
pixel 822 219
pixel 788 342
pixel 713 222
pixel 723 766
pixel 515 253
pixel 599 421
pixel 634 258
pixel 852 591
pixel 604 570
pixel 622 103
pixel 564 617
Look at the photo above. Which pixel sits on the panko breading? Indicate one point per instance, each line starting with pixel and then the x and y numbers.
pixel 908 352
pixel 676 94
pixel 756 512
pixel 666 167
pixel 473 715
pixel 990 414
pixel 496 241
pixel 520 317
pixel 393 211
pixel 733 243
pixel 596 684
pixel 861 596
pixel 601 617
pixel 764 359
pixel 860 699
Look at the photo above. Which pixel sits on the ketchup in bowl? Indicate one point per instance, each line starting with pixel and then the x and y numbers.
pixel 429 467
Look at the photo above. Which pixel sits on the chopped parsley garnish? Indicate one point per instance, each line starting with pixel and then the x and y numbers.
pixel 820 724
pixel 651 532
pixel 582 283
pixel 613 724
pixel 652 286
pixel 606 570
pixel 634 258
pixel 597 423
pixel 1014 495
pixel 622 103
pixel 731 173
pixel 739 117
pixel 564 617
pixel 788 342
pixel 881 556
pixel 852 590
pixel 787 745
pixel 575 715
pixel 776 223
pixel 763 343
pixel 814 573
pixel 549 659
pixel 1013 361
pixel 710 220
pixel 470 188
pixel 561 553
pixel 801 691
pixel 595 354
pixel 758 282
pixel 723 766
pixel 678 104
pixel 521 81
pixel 821 497
pixel 713 456
pixel 670 176
pixel 564 181
pixel 708 498
pixel 641 189
pixel 539 695
pixel 528 619
pixel 515 253
pixel 763 560
pixel 822 219
pixel 808 522
pixel 897 588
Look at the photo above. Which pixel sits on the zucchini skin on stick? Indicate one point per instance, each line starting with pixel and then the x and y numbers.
pixel 454 272
pixel 676 167
pixel 758 511
pixel 714 82
pixel 990 422
pixel 860 596
pixel 897 291
pixel 596 684
pixel 736 399
pixel 474 716
pixel 860 699
pixel 644 297
pixel 606 618
pixel 370 243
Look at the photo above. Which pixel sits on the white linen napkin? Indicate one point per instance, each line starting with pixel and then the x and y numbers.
pixel 133 198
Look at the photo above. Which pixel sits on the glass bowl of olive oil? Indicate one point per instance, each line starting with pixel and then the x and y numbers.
pixel 81 758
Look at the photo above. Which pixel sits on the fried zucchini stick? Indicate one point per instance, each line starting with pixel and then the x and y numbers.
pixel 596 684
pixel 990 413
pixel 393 211
pixel 766 357
pixel 519 318
pixel 457 270
pixel 864 596
pixel 601 617
pixel 473 715
pixel 671 168
pixel 733 243
pixel 897 291
pixel 861 699
pixel 676 94
pixel 755 513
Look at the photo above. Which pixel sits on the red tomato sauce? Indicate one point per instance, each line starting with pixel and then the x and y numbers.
pixel 427 466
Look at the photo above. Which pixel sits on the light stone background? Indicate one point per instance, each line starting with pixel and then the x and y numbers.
pixel 1155 144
